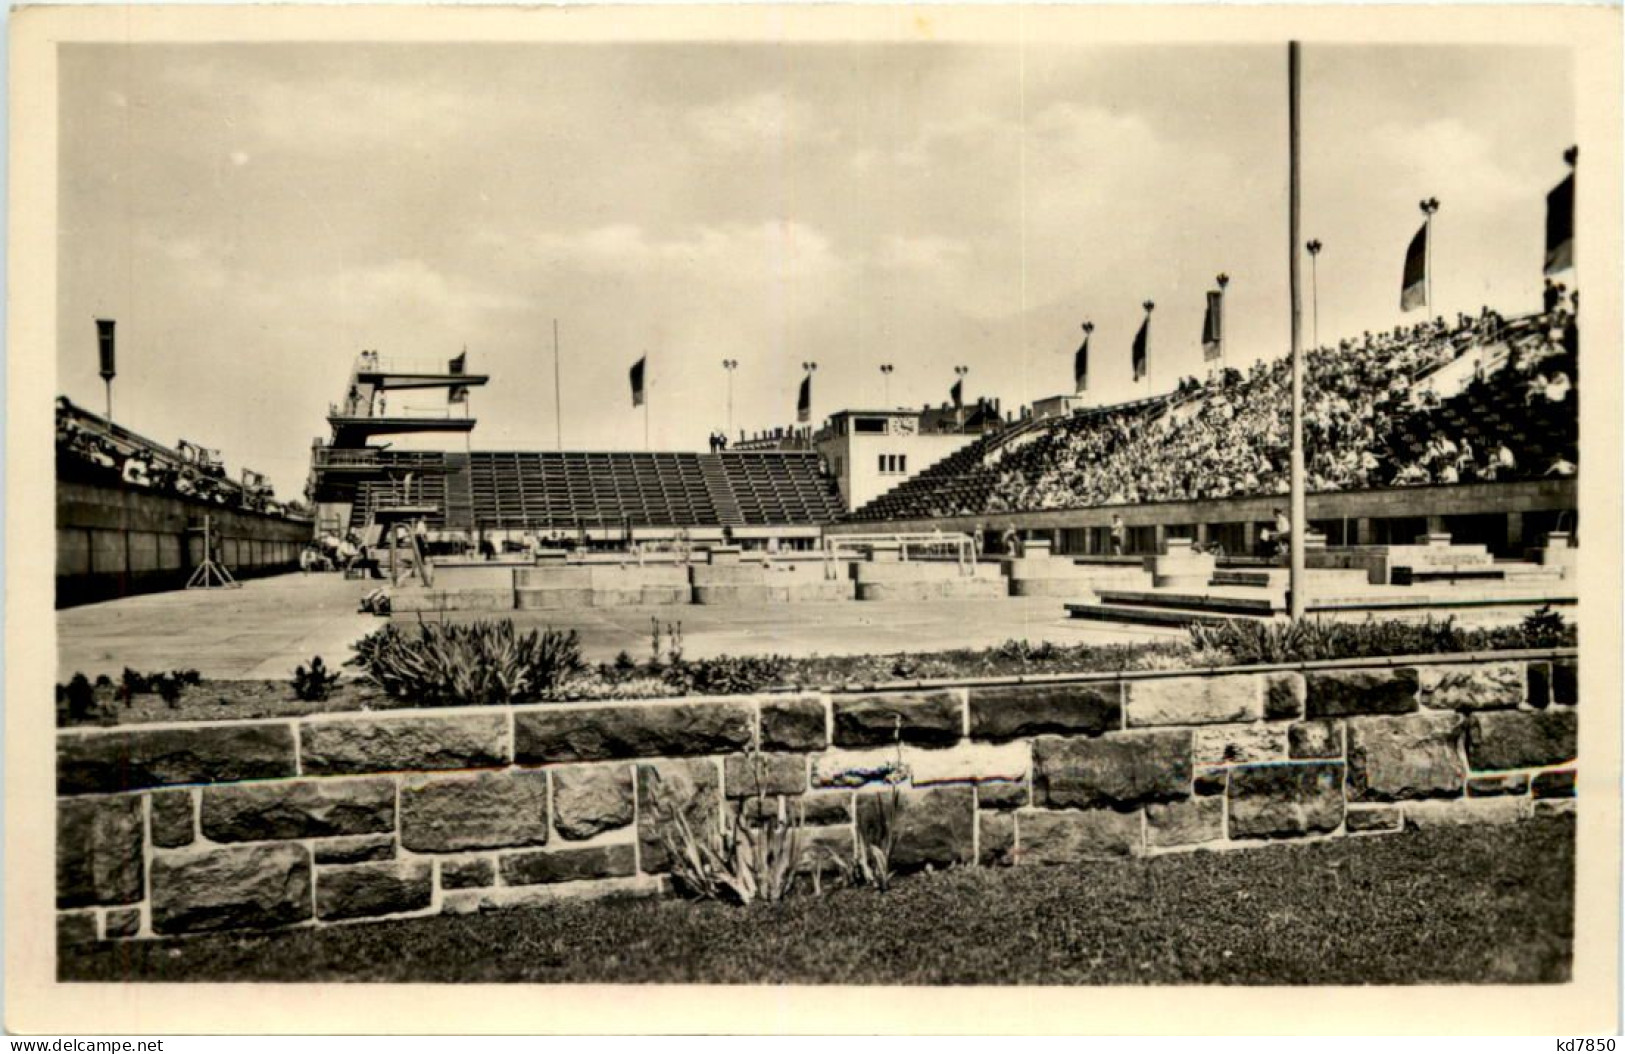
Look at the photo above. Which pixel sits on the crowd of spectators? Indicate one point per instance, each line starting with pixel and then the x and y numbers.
pixel 1373 417
pixel 193 473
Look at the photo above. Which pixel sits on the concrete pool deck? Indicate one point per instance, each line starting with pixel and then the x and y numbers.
pixel 271 625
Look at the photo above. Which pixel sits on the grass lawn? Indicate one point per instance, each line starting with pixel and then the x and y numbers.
pixel 1468 905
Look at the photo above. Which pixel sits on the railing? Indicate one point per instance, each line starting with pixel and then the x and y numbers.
pixel 392 364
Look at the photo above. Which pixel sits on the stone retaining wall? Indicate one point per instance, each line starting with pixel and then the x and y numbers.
pixel 207 827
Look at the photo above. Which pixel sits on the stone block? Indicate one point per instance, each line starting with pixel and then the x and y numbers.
pixel 590 799
pixel 1498 785
pixel 1566 682
pixel 996 845
pixel 173 818
pixel 487 810
pixel 818 810
pixel 857 768
pixel 794 724
pixel 1184 822
pixel 1521 739
pixel 1284 695
pixel 606 733
pixel 368 848
pixel 1003 795
pixel 343 746
pixel 1341 693
pixel 1554 807
pixel 361 891
pixel 1239 744
pixel 1361 819
pixel 933 827
pixel 1482 686
pixel 1466 812
pixel 541 867
pixel 1210 781
pixel 239 887
pixel 1044 837
pixel 1538 684
pixel 769 775
pixel 75 927
pixel 1286 800
pixel 1315 739
pixel 1405 758
pixel 922 718
pixel 665 788
pixel 99 844
pixel 107 762
pixel 1119 770
pixel 473 873
pixel 121 924
pixel 1193 700
pixel 1022 710
pixel 284 809
pixel 969 763
pixel 1558 784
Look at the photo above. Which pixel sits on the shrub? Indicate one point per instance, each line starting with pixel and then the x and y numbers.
pixel 80 695
pixel 728 674
pixel 468 664
pixel 169 687
pixel 316 683
pixel 756 853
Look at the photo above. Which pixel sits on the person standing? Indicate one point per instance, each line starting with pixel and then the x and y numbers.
pixel 1119 534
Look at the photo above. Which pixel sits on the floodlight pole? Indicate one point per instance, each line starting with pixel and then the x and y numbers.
pixel 1296 580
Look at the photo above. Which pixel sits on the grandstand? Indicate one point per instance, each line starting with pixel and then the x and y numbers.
pixel 1480 401
pixel 569 491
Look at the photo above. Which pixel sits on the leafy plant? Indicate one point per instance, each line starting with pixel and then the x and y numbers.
pixel 168 687
pixel 877 843
pixel 1545 628
pixel 469 664
pixel 729 674
pixel 624 663
pixel 754 854
pixel 316 683
pixel 80 695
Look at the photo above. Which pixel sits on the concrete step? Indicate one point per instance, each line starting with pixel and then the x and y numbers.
pixel 1216 603
pixel 1147 616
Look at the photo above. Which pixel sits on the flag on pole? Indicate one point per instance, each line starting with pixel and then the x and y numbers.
pixel 957 393
pixel 1080 366
pixel 1560 227
pixel 104 344
pixel 637 381
pixel 804 401
pixel 1212 334
pixel 1141 340
pixel 1413 291
pixel 458 393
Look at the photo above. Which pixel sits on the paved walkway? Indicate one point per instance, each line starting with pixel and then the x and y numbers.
pixel 271 625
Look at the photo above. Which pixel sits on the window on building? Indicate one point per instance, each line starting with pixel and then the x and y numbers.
pixel 902 462
pixel 876 425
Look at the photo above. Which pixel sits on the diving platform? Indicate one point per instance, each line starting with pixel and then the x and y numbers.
pixel 351 431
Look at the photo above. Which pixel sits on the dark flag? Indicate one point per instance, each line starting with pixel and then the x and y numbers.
pixel 1560 227
pixel 957 393
pixel 804 401
pixel 1413 291
pixel 1212 332
pixel 637 381
pixel 1080 367
pixel 1141 340
pixel 104 344
pixel 457 393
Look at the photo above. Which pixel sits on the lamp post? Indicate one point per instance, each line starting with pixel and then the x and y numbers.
pixel 886 369
pixel 730 365
pixel 959 403
pixel 1429 206
pixel 1314 248
pixel 1222 280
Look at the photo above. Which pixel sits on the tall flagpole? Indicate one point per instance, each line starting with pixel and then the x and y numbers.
pixel 1300 521
pixel 558 398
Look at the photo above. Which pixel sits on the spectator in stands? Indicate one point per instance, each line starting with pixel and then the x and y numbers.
pixel 1550 297
pixel 1557 388
pixel 1562 468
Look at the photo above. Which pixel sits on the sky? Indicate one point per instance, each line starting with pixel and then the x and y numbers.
pixel 253 216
